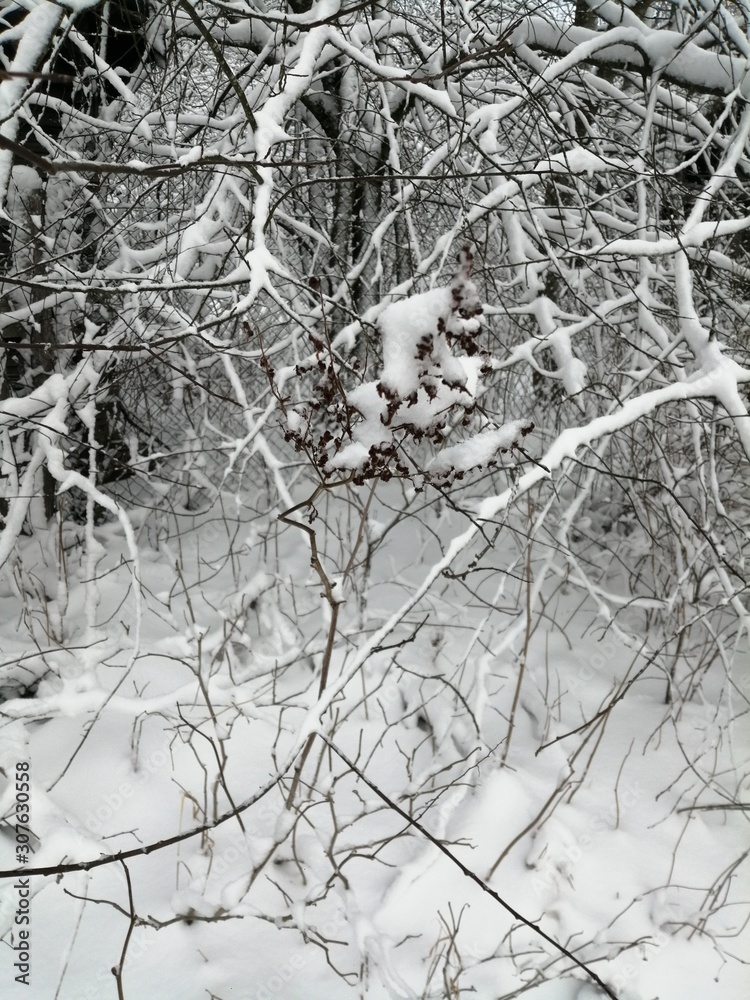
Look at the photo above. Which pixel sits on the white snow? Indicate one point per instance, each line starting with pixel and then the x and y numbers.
pixel 422 380
pixel 480 449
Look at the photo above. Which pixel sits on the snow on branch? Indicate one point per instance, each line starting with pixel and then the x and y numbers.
pixel 636 45
pixel 34 36
pixel 422 383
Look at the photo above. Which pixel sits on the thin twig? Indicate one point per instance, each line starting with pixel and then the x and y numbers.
pixel 137 852
pixel 527 637
pixel 333 604
pixel 467 871
pixel 117 969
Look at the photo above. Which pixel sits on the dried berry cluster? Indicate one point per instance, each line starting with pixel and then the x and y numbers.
pixel 465 305
pixel 383 462
pixel 466 342
pixel 322 427
pixel 319 426
pixel 365 430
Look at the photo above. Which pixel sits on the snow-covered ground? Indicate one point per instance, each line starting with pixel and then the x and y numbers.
pixel 600 837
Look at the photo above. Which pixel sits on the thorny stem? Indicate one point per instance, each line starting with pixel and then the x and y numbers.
pixel 117 969
pixel 527 637
pixel 361 529
pixel 221 758
pixel 333 604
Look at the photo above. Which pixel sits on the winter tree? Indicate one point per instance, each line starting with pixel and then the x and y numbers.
pixel 375 493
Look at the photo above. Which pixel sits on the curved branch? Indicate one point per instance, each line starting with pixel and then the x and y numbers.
pixel 137 852
pixel 637 46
